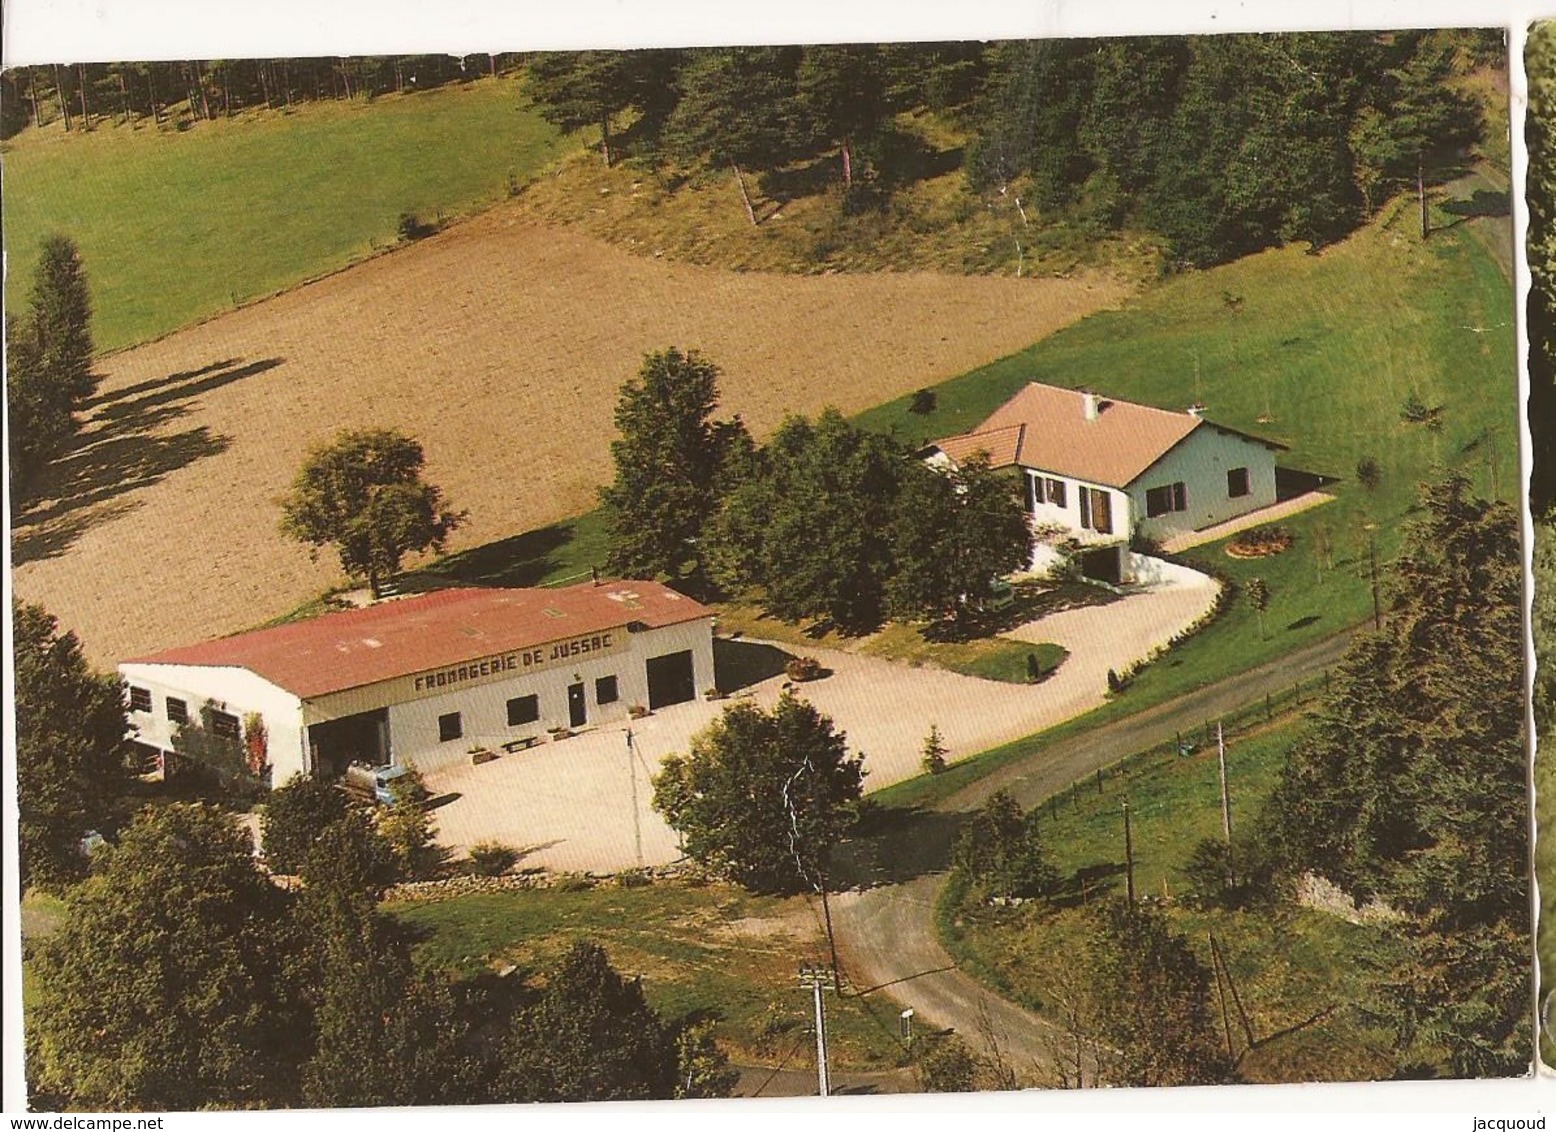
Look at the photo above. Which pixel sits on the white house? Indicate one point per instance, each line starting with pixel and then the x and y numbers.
pixel 424 679
pixel 1096 471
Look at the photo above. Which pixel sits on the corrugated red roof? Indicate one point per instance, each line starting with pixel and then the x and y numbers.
pixel 1051 433
pixel 398 638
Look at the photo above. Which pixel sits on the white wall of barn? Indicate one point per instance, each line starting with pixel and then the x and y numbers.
pixel 1201 463
pixel 483 709
pixel 236 691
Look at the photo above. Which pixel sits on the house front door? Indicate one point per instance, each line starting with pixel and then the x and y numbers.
pixel 577 713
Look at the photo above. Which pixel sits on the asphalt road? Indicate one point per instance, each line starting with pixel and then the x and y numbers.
pixel 886 934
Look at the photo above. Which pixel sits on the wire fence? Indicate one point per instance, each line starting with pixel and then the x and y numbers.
pixel 1250 717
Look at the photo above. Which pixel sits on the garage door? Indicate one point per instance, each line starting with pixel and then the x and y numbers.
pixel 670 679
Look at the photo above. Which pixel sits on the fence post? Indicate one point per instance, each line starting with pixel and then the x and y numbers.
pixel 1099 780
pixel 1269 708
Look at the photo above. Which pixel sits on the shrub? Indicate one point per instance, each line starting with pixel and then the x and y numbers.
pixel 1368 473
pixel 492 858
pixel 803 668
pixel 1115 683
pixel 923 401
pixel 410 227
pixel 948 1066
pixel 635 878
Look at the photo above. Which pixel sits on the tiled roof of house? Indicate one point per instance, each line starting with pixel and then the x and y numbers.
pixel 357 647
pixel 1046 428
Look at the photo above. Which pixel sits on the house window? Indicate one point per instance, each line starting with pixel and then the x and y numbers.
pixel 224 724
pixel 1101 511
pixel 140 698
pixel 1096 510
pixel 605 690
pixel 177 710
pixel 1056 492
pixel 1236 482
pixel 449 727
pixel 1162 500
pixel 523 709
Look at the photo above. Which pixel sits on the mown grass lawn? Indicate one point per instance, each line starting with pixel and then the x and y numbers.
pixel 1320 354
pixel 174 227
pixel 710 949
pixel 1296 969
pixel 913 643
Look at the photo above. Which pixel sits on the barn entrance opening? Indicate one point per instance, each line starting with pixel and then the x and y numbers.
pixel 670 679
pixel 337 743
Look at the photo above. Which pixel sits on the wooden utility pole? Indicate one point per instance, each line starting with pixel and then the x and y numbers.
pixel 817 979
pixel 1129 857
pixel 1226 802
pixel 1377 605
pixel 637 822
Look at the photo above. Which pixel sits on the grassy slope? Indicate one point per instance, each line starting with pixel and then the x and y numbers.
pixel 686 943
pixel 1327 347
pixel 1289 965
pixel 930 222
pixel 175 227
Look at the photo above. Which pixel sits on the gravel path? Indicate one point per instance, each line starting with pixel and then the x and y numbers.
pixel 584 803
pixel 886 934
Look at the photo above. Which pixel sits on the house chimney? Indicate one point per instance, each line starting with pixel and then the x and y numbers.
pixel 1197 411
pixel 1089 402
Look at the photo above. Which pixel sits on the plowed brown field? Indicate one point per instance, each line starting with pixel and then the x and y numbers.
pixel 500 345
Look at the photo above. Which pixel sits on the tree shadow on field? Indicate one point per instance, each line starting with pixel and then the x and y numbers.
pixel 124 447
pixel 521 561
pixel 740 664
pixel 1484 202
pixel 892 846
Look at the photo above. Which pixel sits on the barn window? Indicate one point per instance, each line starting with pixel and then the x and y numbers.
pixel 605 690
pixel 1236 482
pixel 223 724
pixel 140 698
pixel 1056 492
pixel 449 727
pixel 177 710
pixel 523 709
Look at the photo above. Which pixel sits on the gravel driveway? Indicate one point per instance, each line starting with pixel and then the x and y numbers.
pixel 571 804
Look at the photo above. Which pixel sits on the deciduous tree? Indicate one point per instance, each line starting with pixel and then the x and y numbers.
pixel 672 462
pixel 295 814
pixel 589 1036
pixel 1149 1002
pixel 71 731
pixel 952 535
pixel 810 528
pixel 362 491
pixel 762 797
pixel 167 986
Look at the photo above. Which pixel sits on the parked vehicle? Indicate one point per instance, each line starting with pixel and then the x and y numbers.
pixel 380 784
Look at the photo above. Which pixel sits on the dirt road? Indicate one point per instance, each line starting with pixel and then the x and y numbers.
pixel 500 345
pixel 886 935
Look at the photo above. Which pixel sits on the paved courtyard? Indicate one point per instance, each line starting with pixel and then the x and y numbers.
pixel 584 803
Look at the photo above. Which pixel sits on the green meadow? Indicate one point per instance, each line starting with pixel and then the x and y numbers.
pixel 1301 973
pixel 177 226
pixel 711 950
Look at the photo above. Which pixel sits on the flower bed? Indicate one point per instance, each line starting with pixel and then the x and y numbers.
pixel 1260 542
